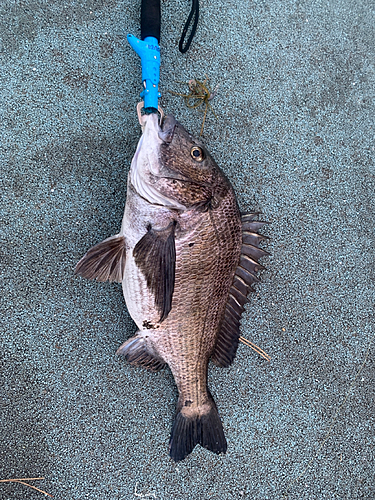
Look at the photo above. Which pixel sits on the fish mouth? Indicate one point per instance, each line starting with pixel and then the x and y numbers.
pixel 146 168
pixel 167 129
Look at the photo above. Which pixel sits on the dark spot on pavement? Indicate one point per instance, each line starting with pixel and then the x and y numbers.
pixel 77 79
pixel 105 49
pixel 318 140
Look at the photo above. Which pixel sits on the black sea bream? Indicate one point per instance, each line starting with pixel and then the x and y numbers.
pixel 186 260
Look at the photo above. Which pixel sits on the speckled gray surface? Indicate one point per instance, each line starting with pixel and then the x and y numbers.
pixel 296 136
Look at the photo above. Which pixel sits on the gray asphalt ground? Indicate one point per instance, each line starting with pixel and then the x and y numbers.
pixel 295 134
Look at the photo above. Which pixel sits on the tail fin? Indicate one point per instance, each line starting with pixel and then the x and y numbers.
pixel 201 425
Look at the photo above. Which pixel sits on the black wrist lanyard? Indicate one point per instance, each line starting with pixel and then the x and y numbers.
pixel 194 12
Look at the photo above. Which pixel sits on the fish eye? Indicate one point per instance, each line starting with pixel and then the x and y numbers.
pixel 197 153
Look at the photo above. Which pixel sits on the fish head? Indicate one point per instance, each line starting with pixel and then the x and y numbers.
pixel 173 169
pixel 190 173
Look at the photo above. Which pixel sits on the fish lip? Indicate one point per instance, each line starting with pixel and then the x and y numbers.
pixel 168 128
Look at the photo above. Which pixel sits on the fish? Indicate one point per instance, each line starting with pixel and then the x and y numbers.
pixel 187 259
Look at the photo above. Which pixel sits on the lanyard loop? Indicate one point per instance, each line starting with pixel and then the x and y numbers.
pixel 194 12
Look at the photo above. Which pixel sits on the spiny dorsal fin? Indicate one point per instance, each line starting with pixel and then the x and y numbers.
pixel 245 275
pixel 104 261
pixel 155 255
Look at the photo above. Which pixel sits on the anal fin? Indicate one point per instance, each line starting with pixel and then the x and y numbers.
pixel 137 354
pixel 245 276
pixel 104 261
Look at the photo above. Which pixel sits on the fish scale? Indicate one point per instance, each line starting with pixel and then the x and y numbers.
pixel 186 261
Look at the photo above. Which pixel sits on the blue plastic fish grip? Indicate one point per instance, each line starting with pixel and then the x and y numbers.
pixel 149 52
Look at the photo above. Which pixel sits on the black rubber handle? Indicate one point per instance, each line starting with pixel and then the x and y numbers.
pixel 150 19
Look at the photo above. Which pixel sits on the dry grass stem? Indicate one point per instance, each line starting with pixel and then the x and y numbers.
pixel 22 481
pixel 255 348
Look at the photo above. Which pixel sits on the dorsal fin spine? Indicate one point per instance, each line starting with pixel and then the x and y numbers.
pixel 234 298
pixel 253 276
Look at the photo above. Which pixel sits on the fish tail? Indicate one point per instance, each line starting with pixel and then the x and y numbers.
pixel 201 425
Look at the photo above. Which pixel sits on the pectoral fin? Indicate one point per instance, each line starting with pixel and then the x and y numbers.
pixel 104 261
pixel 155 255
